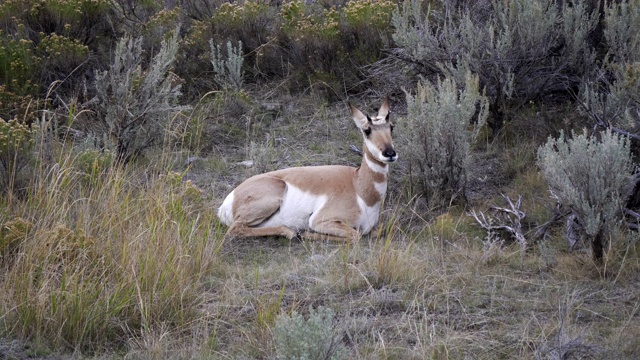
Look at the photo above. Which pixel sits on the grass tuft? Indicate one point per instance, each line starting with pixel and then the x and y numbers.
pixel 108 260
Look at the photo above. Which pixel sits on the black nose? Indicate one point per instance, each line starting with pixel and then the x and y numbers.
pixel 389 153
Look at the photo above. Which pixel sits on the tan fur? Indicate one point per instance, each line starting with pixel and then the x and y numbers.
pixel 331 190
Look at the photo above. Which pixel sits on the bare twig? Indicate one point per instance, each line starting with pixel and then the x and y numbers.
pixel 511 221
pixel 558 214
pixel 355 149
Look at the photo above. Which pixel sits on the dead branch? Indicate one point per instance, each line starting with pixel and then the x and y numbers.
pixel 355 149
pixel 542 230
pixel 506 219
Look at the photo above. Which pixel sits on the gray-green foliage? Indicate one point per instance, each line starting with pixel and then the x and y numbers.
pixel 612 97
pixel 591 175
pixel 622 21
pixel 135 103
pixel 439 133
pixel 228 72
pixel 16 144
pixel 315 338
pixel 520 49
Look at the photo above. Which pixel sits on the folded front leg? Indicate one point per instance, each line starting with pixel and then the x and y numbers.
pixel 336 230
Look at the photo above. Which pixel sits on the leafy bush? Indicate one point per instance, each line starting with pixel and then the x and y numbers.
pixel 333 45
pixel 93 164
pixel 315 338
pixel 252 23
pixel 228 70
pixel 622 20
pixel 79 19
pixel 591 175
pixel 45 43
pixel 18 64
pixel 309 43
pixel 136 105
pixel 611 97
pixel 309 37
pixel 60 56
pixel 521 50
pixel 438 136
pixel 16 144
pixel 60 32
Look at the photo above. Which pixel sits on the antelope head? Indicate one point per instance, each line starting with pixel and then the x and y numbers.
pixel 376 133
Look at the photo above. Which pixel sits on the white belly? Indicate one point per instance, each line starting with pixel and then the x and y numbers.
pixel 297 210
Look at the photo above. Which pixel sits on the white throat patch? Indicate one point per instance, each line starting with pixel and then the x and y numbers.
pixel 377 154
pixel 381 169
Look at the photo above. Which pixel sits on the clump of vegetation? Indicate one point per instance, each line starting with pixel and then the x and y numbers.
pixel 314 338
pixel 610 97
pixel 12 233
pixel 591 175
pixel 16 145
pixel 228 70
pixel 441 124
pixel 78 281
pixel 136 105
pixel 520 50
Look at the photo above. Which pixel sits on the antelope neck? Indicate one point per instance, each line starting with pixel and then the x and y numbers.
pixel 371 179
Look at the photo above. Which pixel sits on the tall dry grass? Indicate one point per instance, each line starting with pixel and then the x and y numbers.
pixel 105 256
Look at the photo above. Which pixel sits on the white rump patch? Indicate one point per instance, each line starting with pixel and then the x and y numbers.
pixel 225 212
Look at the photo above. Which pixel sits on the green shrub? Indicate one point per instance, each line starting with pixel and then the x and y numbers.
pixel 309 37
pixel 252 23
pixel 61 56
pixel 132 16
pixel 365 33
pixel 18 64
pixel 93 164
pixel 46 45
pixel 622 19
pixel 136 104
pixel 591 175
pixel 315 338
pixel 228 69
pixel 438 135
pixel 16 145
pixel 521 50
pixel 611 97
pixel 309 43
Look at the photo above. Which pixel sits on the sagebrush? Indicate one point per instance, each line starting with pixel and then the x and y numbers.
pixel 591 175
pixel 440 126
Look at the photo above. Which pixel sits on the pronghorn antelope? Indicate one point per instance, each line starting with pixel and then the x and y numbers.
pixel 318 202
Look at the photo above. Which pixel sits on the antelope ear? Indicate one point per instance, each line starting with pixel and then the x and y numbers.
pixel 383 113
pixel 358 117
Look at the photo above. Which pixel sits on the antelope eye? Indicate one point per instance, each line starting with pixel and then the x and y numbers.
pixel 367 131
pixel 391 127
